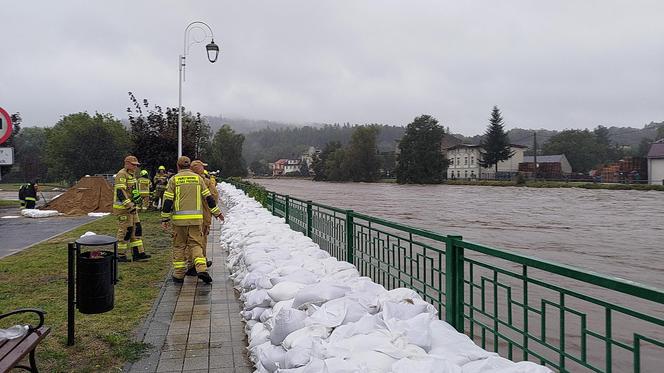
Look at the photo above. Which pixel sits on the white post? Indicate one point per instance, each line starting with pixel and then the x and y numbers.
pixel 181 65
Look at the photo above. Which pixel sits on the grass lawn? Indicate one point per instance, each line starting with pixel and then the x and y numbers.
pixel 42 187
pixel 37 277
pixel 9 203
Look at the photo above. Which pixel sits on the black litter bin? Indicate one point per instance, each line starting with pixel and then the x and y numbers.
pixel 96 273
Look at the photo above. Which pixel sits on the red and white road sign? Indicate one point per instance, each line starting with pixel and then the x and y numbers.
pixel 5 125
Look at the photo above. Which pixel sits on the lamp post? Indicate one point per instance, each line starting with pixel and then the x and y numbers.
pixel 212 53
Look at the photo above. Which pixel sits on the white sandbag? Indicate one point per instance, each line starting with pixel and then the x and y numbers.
pixel 259 335
pixel 304 336
pixel 406 310
pixel 448 344
pixel 98 214
pixel 286 321
pixel 416 329
pixel 297 357
pixel 365 325
pixel 34 213
pixel 284 290
pixel 318 294
pixel 256 298
pixel 301 276
pixel 497 364
pixel 253 314
pixel 424 365
pixel 270 356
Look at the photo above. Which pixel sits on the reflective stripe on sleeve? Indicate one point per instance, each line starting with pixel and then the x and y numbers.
pixel 198 261
pixel 178 265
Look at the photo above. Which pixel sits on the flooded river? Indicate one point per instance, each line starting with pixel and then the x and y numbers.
pixel 620 233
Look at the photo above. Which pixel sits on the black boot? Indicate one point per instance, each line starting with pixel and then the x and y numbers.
pixel 191 271
pixel 209 263
pixel 205 277
pixel 177 280
pixel 138 257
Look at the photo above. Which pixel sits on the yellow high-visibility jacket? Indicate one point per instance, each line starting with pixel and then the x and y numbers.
pixel 183 199
pixel 144 185
pixel 207 212
pixel 125 183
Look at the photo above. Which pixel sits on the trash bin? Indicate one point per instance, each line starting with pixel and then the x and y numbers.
pixel 96 273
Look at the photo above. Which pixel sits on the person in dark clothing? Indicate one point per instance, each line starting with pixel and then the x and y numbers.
pixel 31 197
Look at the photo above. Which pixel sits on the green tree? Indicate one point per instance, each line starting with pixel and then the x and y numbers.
pixel 16 130
pixel 155 138
pixel 259 167
pixel 226 153
pixel 579 146
pixel 420 159
pixel 336 166
pixel 361 156
pixel 495 144
pixel 31 153
pixel 320 160
pixel 643 148
pixel 660 132
pixel 80 144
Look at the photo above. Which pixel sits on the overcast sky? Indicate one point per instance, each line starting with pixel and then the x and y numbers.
pixel 546 64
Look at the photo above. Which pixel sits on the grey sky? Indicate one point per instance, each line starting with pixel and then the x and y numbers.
pixel 553 64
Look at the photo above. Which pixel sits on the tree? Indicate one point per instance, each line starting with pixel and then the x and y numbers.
pixel 304 169
pixel 31 153
pixel 155 137
pixel 259 167
pixel 320 160
pixel 420 159
pixel 362 162
pixel 226 153
pixel 80 144
pixel 660 132
pixel 579 146
pixel 495 144
pixel 16 130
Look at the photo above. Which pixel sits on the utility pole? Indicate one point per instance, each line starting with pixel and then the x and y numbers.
pixel 535 153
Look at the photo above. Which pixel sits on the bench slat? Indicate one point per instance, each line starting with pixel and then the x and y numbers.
pixel 12 352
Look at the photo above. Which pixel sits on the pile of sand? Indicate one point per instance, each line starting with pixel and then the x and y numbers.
pixel 90 194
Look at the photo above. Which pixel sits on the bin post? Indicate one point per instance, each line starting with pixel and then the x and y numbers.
pixel 309 219
pixel 71 280
pixel 454 282
pixel 350 247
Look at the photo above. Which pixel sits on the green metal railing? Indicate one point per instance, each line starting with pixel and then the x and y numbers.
pixel 524 308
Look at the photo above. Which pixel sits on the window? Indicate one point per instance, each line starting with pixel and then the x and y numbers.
pixel 458 174
pixel 466 174
pixel 472 160
pixel 465 161
pixel 459 161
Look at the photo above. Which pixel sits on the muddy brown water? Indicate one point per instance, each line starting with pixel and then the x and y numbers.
pixel 616 233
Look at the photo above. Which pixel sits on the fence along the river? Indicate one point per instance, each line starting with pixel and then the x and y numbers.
pixel 522 307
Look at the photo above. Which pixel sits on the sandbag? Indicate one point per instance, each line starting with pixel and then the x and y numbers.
pixel 284 290
pixel 286 321
pixel 318 294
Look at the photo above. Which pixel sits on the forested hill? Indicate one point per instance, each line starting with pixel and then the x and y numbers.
pixel 271 144
pixel 269 140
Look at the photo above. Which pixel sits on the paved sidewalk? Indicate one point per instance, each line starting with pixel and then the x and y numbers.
pixel 196 327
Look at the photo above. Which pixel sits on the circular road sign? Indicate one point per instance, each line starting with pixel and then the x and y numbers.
pixel 5 125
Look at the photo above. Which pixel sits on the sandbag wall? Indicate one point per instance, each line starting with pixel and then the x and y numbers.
pixel 307 312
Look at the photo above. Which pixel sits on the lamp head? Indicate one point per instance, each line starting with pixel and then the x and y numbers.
pixel 212 51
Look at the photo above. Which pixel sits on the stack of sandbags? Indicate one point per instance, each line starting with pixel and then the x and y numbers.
pixel 308 312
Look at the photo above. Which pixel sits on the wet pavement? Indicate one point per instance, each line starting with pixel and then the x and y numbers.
pixel 18 233
pixel 194 327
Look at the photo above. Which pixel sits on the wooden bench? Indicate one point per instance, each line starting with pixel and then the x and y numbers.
pixel 12 351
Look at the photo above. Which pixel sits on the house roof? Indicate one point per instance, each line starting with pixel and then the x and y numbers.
pixel 558 158
pixel 656 150
pixel 450 141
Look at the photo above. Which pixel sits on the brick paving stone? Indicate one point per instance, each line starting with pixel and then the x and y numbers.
pixel 197 327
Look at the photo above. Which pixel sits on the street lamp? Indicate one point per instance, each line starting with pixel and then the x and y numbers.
pixel 212 53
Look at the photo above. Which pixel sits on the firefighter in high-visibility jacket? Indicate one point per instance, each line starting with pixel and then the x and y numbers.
pixel 144 186
pixel 183 200
pixel 160 180
pixel 199 168
pixel 130 232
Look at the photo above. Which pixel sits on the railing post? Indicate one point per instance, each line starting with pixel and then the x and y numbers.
pixel 272 203
pixel 350 247
pixel 309 219
pixel 286 208
pixel 454 282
